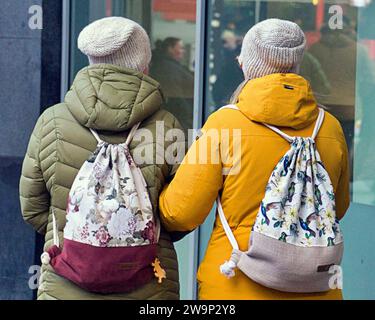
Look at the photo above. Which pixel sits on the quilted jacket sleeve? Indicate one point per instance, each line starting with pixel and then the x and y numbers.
pixel 34 196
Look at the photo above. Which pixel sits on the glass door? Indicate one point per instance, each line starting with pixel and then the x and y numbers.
pixel 340 64
pixel 171 26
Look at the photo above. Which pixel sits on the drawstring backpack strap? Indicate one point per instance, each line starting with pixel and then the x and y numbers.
pixel 132 134
pixel 95 134
pixel 319 123
pixel 226 226
pixel 227 268
pixel 280 133
pixel 290 139
pixel 230 106
pixel 45 257
pixel 56 240
pixel 128 139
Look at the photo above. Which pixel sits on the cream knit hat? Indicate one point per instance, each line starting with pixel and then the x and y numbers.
pixel 118 41
pixel 272 46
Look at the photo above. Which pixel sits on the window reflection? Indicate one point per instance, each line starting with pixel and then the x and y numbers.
pixel 364 145
pixel 171 27
pixel 336 54
pixel 176 80
pixel 229 75
pixel 339 63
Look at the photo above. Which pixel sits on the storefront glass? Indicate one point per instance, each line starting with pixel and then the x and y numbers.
pixel 171 26
pixel 339 63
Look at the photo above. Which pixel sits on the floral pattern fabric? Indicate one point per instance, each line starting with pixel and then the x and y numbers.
pixel 108 205
pixel 299 203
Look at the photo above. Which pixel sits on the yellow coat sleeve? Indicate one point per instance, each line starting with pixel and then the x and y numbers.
pixel 187 201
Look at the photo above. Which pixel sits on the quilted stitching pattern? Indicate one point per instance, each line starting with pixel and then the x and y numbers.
pixel 61 142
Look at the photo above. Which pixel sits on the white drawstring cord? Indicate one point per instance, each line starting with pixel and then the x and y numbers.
pixel 227 269
pixel 45 257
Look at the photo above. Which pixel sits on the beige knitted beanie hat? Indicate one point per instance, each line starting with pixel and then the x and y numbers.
pixel 118 41
pixel 272 46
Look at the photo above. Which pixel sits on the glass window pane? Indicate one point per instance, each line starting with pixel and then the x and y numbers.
pixel 171 27
pixel 364 146
pixel 339 63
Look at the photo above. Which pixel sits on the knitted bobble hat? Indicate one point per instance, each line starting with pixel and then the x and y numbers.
pixel 118 41
pixel 272 46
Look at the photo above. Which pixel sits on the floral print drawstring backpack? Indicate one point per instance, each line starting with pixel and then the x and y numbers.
pixel 111 233
pixel 296 238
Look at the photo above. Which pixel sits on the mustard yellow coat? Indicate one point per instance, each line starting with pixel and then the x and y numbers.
pixel 187 201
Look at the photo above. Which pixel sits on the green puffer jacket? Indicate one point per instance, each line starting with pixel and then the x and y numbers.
pixel 110 100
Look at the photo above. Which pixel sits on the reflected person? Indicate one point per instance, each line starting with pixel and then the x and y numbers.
pixel 176 80
pixel 229 74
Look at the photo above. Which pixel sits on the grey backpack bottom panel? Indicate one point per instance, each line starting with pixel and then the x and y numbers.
pixel 286 267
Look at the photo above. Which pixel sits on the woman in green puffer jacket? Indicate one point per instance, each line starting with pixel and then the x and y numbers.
pixel 111 96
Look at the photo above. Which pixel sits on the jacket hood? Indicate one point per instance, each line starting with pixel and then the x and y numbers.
pixel 283 100
pixel 110 98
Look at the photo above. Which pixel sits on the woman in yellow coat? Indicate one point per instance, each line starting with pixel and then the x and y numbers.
pixel 274 94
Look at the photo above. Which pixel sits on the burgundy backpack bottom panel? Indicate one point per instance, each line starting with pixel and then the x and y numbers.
pixel 104 270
